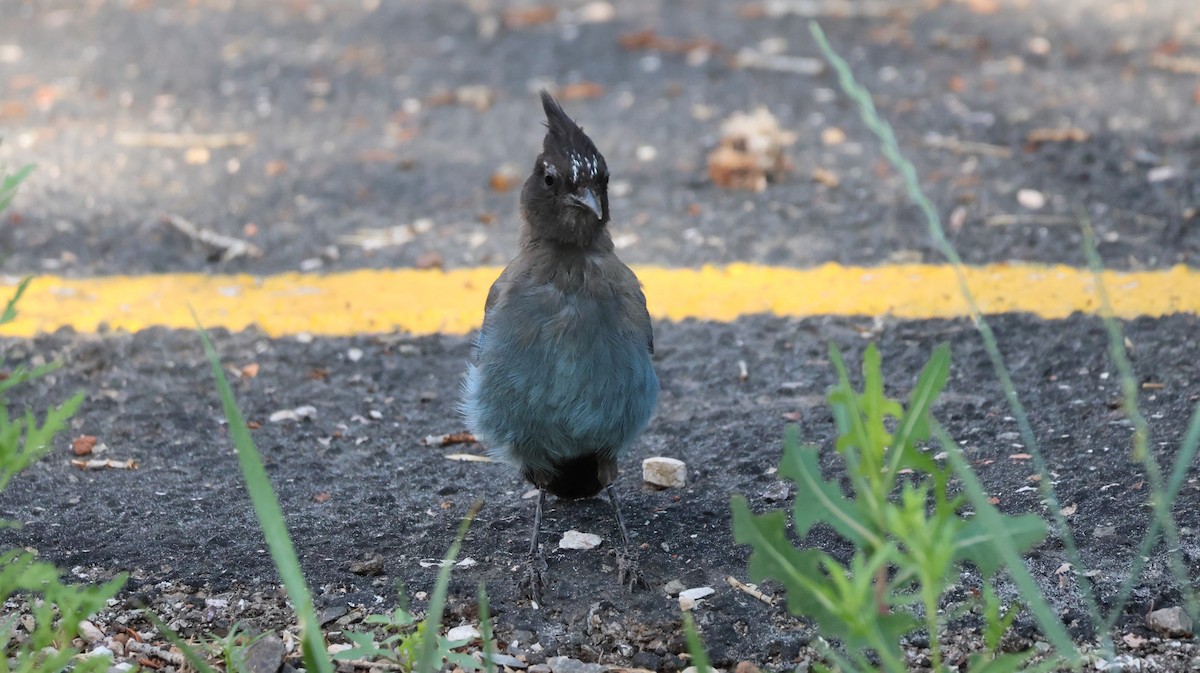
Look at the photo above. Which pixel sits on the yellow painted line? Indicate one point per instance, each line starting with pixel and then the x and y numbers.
pixel 451 302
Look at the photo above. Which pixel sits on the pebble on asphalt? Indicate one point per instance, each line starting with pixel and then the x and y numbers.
pixel 664 472
pixel 574 539
pixel 1173 622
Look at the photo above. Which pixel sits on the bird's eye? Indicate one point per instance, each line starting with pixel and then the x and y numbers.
pixel 549 179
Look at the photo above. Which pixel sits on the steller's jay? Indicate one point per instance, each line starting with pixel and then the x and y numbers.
pixel 561 382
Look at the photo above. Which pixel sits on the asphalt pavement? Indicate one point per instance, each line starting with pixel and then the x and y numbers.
pixel 351 134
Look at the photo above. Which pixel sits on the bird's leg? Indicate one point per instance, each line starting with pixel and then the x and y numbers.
pixel 628 572
pixel 533 573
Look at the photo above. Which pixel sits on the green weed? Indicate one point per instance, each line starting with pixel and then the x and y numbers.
pixel 910 534
pixel 1162 492
pixel 417 645
pixel 56 608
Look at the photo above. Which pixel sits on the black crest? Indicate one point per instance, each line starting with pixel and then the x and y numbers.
pixel 566 142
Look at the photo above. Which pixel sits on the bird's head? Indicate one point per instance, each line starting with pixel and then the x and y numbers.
pixel 566 195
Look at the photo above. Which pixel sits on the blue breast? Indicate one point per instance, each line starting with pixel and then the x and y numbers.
pixel 559 376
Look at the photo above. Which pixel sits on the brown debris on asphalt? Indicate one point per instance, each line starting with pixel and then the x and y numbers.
pixel 83 445
pixel 758 59
pixel 749 589
pixel 371 566
pixel 430 260
pixel 374 238
pixel 449 439
pixel 230 248
pixel 812 9
pixel 957 146
pixel 1182 65
pixel 1069 134
pixel 478 96
pixel 751 151
pixel 209 141
pixel 649 39
pixel 825 177
pixel 105 464
pixel 579 91
pixel 505 178
pixel 468 458
pixel 527 16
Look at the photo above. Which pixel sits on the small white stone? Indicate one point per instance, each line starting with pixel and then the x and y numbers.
pixel 646 152
pixel 688 598
pixel 664 472
pixel 1031 199
pixel 597 12
pixel 334 648
pixel 90 632
pixel 354 354
pixel 465 632
pixel 574 539
pixel 99 652
pixel 299 413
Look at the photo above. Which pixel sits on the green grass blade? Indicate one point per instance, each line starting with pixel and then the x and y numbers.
pixel 1160 496
pixel 270 518
pixel 908 172
pixel 695 645
pixel 485 630
pixel 992 520
pixel 427 661
pixel 10 309
pixel 8 186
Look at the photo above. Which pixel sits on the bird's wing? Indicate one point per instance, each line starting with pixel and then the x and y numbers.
pixel 635 311
pixel 647 329
pixel 495 296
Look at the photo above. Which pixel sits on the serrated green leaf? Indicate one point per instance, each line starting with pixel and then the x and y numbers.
pixel 976 542
pixel 914 423
pixel 774 556
pixel 820 501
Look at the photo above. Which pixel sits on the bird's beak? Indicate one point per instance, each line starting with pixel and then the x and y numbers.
pixel 586 198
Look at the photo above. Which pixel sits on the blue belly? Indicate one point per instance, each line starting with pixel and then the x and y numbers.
pixel 570 382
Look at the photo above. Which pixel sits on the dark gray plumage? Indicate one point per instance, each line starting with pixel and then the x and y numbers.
pixel 561 382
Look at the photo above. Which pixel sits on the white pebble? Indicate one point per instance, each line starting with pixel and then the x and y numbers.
pixel 597 12
pixel 90 632
pixel 664 472
pixel 574 539
pixel 697 593
pixel 354 354
pixel 465 632
pixel 1031 199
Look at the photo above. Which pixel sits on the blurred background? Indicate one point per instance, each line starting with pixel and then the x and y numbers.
pixel 334 134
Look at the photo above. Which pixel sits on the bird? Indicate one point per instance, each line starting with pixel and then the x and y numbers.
pixel 561 381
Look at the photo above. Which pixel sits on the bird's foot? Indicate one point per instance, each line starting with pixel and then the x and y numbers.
pixel 629 573
pixel 531 584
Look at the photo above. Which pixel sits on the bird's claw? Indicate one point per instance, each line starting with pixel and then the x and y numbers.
pixel 531 584
pixel 629 573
